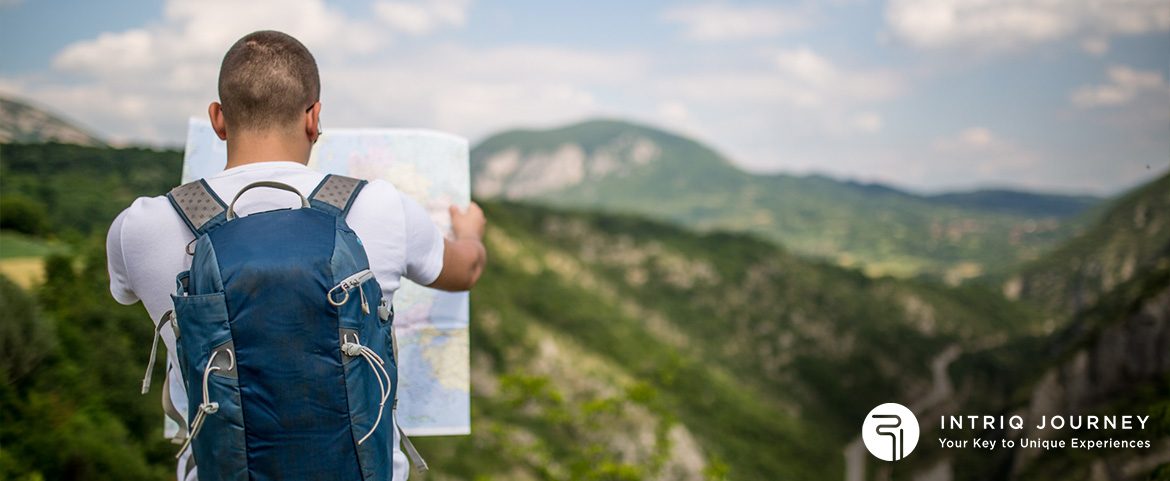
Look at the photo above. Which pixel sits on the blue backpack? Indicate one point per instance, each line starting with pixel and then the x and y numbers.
pixel 284 341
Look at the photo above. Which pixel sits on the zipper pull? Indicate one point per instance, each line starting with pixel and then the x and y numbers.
pixel 385 311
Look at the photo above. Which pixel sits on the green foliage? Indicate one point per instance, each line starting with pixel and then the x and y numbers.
pixel 77 414
pixel 21 214
pixel 1132 236
pixel 83 188
pixel 26 337
pixel 13 245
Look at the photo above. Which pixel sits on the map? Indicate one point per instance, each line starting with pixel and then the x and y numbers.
pixel 431 325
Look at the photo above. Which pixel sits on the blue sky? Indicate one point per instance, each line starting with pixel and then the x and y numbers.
pixel 928 95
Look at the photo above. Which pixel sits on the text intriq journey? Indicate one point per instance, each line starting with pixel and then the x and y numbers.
pixel 1123 422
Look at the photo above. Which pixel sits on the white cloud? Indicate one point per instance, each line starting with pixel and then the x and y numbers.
pixel 470 107
pixel 674 112
pixel 816 80
pixel 200 31
pixel 971 140
pixel 985 25
pixel 142 83
pixel 1125 84
pixel 711 22
pixel 421 18
pixel 791 108
pixel 978 137
pixel 541 63
pixel 980 153
pixel 805 64
pixel 868 122
pixel 1095 46
pixel 796 77
pixel 475 92
pixel 677 116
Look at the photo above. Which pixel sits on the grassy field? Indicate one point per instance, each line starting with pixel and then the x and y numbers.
pixel 22 257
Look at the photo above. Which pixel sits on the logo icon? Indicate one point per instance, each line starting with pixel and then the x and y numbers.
pixel 890 432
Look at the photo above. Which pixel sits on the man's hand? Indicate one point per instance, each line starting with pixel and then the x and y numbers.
pixel 464 257
pixel 468 223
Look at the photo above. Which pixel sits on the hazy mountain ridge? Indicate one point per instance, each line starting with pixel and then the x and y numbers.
pixel 1133 235
pixel 623 167
pixel 23 123
pixel 1119 362
pixel 1019 202
pixel 1107 295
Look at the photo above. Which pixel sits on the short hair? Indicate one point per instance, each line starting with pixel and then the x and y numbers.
pixel 266 81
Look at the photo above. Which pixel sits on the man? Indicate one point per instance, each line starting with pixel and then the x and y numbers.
pixel 269 114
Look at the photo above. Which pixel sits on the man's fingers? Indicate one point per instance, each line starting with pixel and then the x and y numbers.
pixel 472 207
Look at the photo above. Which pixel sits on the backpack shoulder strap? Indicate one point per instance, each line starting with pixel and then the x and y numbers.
pixel 335 194
pixel 198 205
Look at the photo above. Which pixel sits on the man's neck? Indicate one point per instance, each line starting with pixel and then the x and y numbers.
pixel 253 147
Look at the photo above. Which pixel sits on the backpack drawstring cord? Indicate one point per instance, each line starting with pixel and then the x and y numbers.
pixel 354 349
pixel 206 407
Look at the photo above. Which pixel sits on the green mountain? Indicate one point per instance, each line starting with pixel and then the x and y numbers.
pixel 623 167
pixel 1020 203
pixel 21 122
pixel 1106 350
pixel 1131 238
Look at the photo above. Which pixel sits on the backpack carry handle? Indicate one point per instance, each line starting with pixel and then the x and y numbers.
pixel 231 212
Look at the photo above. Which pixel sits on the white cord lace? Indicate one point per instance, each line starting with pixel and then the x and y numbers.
pixel 206 407
pixel 354 349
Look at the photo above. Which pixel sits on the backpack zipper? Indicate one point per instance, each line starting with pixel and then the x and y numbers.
pixel 354 281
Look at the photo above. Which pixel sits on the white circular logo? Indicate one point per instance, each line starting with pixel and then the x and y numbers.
pixel 890 432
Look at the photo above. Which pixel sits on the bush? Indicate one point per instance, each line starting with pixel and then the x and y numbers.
pixel 21 214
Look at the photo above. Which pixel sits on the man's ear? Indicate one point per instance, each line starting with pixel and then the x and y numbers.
pixel 215 112
pixel 313 122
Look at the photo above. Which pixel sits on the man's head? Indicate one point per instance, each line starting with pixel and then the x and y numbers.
pixel 269 86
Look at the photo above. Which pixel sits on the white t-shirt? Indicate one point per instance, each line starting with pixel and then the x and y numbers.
pixel 146 247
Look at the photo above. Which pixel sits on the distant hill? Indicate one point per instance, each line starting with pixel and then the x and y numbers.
pixel 23 123
pixel 1020 203
pixel 1107 350
pixel 1132 237
pixel 623 167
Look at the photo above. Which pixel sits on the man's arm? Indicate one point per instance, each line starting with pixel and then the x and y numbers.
pixel 464 257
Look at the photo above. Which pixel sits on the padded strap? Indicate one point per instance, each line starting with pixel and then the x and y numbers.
pixel 198 206
pixel 335 194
